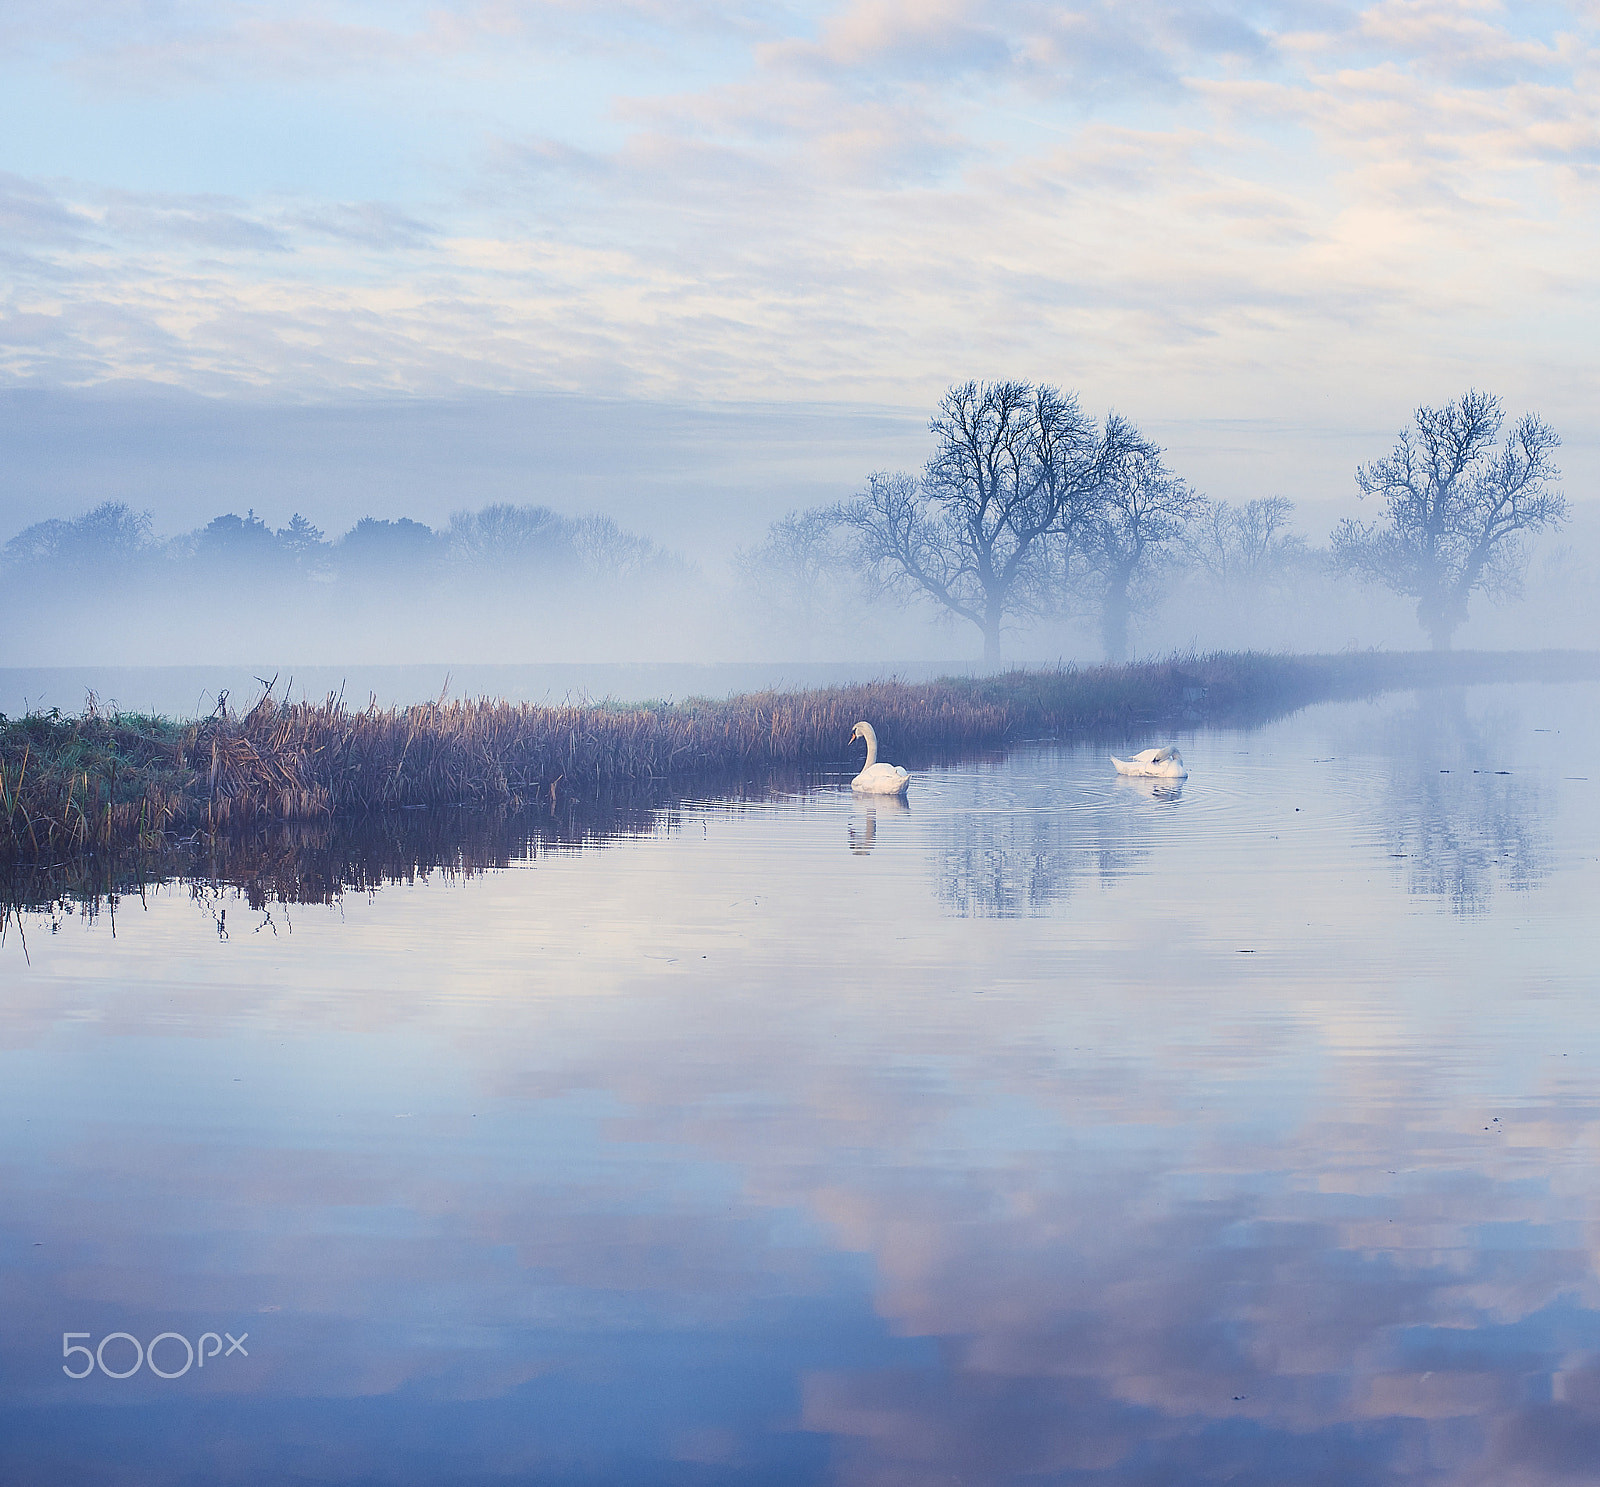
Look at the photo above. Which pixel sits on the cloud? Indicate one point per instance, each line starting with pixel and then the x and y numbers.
pixel 897 38
pixel 367 224
pixel 151 48
pixel 130 218
pixel 1096 49
pixel 1172 205
pixel 31 213
pixel 1460 44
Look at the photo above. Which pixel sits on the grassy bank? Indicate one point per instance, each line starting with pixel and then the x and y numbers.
pixel 106 783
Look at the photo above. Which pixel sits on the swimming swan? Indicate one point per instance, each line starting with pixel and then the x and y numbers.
pixel 875 778
pixel 1167 763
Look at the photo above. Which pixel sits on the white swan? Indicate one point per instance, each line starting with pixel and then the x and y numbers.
pixel 1167 763
pixel 875 778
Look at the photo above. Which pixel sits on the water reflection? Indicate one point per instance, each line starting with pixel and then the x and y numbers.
pixel 317 863
pixel 673 1163
pixel 1151 787
pixel 1015 839
pixel 1464 837
pixel 863 829
pixel 1029 833
pixel 1463 809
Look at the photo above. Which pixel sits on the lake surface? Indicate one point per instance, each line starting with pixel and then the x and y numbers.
pixel 1053 1130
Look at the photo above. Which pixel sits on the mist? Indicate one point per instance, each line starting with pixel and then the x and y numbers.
pixel 699 477
pixel 540 548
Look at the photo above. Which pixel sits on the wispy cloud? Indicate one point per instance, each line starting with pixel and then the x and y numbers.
pixel 144 47
pixel 1183 202
pixel 31 213
pixel 209 223
pixel 366 224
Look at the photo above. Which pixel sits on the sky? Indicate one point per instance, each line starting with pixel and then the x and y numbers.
pixel 1264 231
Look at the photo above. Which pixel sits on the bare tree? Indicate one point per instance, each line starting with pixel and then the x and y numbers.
pixel 511 541
pixel 1248 547
pixel 1458 509
pixel 1015 464
pixel 105 538
pixel 804 571
pixel 1128 535
pixel 611 553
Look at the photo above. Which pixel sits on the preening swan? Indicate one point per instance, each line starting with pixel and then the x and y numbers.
pixel 875 778
pixel 1166 763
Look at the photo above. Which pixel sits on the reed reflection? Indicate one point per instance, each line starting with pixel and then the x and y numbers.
pixel 316 863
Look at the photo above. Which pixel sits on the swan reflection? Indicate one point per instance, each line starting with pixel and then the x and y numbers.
pixel 863 828
pixel 1150 786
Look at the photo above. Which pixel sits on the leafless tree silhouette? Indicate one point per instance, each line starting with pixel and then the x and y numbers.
pixel 1016 465
pixel 1458 510
pixel 1129 531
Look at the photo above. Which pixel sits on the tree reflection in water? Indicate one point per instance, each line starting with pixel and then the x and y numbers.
pixel 1007 856
pixel 1456 810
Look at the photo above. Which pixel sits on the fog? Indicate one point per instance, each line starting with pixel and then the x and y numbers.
pixel 701 478
pixel 549 547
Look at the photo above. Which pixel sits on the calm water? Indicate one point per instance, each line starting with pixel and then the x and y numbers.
pixel 1052 1130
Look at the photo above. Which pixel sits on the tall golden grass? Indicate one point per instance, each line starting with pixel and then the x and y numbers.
pixel 108 782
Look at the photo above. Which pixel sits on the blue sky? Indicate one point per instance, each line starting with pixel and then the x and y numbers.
pixel 1306 216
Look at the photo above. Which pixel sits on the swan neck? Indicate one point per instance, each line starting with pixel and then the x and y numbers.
pixel 872 745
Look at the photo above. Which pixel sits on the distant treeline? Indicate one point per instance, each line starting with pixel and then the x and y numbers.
pixel 497 542
pixel 1030 521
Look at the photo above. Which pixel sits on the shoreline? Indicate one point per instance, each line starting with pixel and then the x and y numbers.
pixel 112 783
